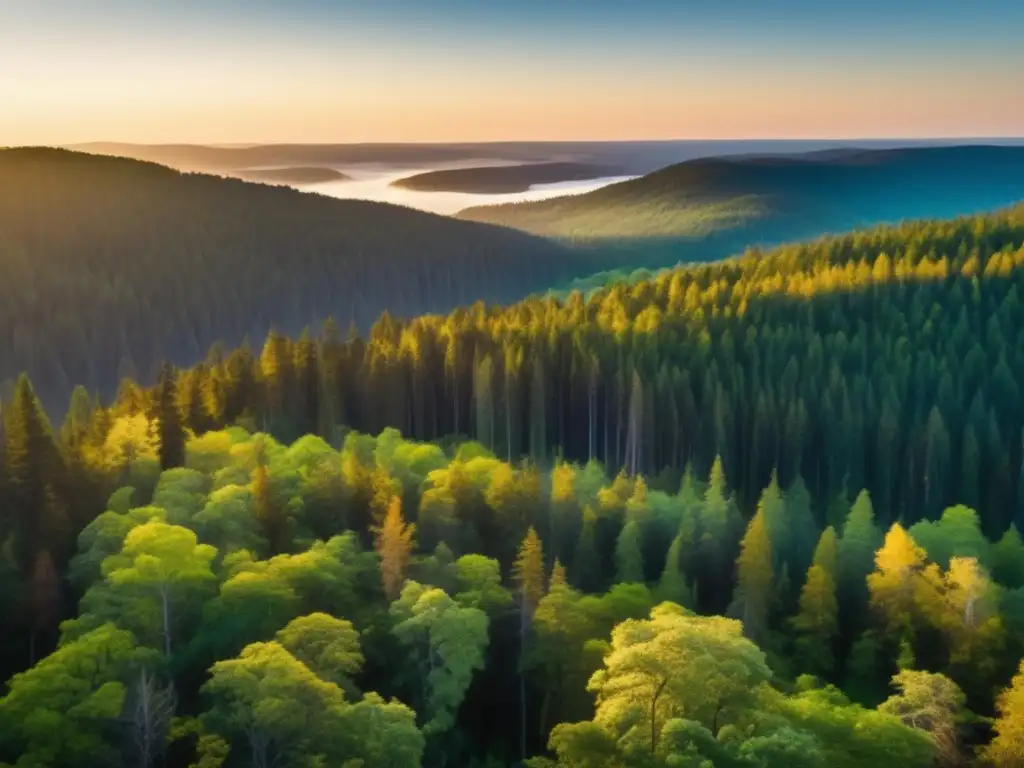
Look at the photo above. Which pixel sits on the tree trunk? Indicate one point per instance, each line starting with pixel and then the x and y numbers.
pixel 654 715
pixel 522 685
pixel 165 604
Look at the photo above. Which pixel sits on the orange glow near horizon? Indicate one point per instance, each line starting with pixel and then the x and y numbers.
pixel 187 88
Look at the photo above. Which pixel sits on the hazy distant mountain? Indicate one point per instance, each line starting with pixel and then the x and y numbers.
pixel 110 265
pixel 301 175
pixel 503 178
pixel 633 157
pixel 710 207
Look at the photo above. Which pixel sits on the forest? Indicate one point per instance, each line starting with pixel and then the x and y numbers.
pixel 101 257
pixel 761 512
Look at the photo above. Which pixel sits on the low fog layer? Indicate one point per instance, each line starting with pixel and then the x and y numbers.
pixel 374 183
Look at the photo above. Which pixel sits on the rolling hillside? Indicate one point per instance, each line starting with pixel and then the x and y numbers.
pixel 110 265
pixel 709 208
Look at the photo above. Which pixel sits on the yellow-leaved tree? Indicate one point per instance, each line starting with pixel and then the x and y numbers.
pixel 1007 748
pixel 393 540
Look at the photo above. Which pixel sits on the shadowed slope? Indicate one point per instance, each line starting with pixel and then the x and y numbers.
pixel 710 207
pixel 111 265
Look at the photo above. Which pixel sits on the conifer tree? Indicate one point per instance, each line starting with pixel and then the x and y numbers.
pixel 393 540
pixel 898 566
pixel 719 532
pixel 861 538
pixel 37 519
pixel 529 577
pixel 672 586
pixel 586 564
pixel 267 510
pixel 168 416
pixel 1008 559
pixel 629 558
pixel 754 587
pixel 558 578
pixel 817 623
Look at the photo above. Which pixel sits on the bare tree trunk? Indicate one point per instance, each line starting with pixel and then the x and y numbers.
pixel 148 716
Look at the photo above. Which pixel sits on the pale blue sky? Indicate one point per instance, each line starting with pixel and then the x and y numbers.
pixel 423 70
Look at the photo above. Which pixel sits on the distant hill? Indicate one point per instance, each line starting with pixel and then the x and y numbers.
pixel 634 157
pixel 712 207
pixel 300 175
pixel 110 265
pixel 502 179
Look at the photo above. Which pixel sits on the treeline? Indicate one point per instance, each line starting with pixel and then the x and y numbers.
pixel 890 360
pixel 246 603
pixel 111 266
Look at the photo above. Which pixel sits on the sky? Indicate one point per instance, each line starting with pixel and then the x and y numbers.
pixel 255 71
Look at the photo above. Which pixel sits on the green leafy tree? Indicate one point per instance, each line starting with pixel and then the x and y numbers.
pixel 270 702
pixel 448 641
pixel 479 580
pixel 64 711
pixel 326 645
pixel 675 664
pixel 153 582
pixel 931 703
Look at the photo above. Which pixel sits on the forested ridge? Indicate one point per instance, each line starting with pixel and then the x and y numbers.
pixel 113 265
pixel 714 207
pixel 762 512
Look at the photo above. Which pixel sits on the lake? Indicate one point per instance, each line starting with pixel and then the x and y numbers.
pixel 374 183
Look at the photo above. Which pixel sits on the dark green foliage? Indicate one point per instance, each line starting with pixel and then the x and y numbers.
pixel 852 363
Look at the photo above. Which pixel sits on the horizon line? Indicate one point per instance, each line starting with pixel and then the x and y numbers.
pixel 494 142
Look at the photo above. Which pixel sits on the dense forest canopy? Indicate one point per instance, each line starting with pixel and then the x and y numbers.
pixel 712 207
pixel 112 265
pixel 762 512
pixel 248 603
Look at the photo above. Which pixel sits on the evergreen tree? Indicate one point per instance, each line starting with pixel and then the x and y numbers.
pixel 36 518
pixel 267 510
pixel 1008 559
pixel 586 564
pixel 754 585
pixel 629 558
pixel 672 585
pixel 168 417
pixel 817 623
pixel 529 577
pixel 857 546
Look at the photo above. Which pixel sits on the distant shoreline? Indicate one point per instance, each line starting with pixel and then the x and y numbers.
pixel 299 175
pixel 504 179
